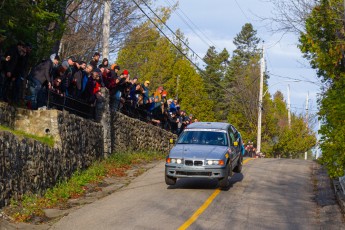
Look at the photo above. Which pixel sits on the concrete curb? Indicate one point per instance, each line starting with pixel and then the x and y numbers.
pixel 339 195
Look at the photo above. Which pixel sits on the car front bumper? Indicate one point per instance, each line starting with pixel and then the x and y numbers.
pixel 196 172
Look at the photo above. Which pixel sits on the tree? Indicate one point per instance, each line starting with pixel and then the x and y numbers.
pixel 152 57
pixel 323 45
pixel 147 55
pixel 241 80
pixel 332 141
pixel 214 74
pixel 295 141
pixel 246 43
pixel 36 22
pixel 289 16
pixel 83 35
pixel 192 92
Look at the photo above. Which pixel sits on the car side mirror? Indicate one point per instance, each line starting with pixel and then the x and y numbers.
pixel 235 143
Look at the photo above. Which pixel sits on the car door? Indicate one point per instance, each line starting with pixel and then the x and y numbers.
pixel 231 135
pixel 235 143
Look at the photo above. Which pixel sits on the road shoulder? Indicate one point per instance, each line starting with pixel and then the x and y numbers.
pixel 328 209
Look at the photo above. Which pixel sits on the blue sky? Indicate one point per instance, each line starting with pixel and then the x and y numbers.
pixel 220 20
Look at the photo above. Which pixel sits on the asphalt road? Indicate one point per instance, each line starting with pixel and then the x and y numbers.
pixel 268 194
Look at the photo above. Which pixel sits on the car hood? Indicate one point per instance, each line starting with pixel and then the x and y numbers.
pixel 190 151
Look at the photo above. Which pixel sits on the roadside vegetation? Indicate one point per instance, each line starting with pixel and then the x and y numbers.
pixel 31 206
pixel 48 140
pixel 321 29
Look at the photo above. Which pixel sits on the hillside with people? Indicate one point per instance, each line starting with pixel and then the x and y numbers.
pixel 55 59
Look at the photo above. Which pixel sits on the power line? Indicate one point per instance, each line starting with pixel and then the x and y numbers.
pixel 172 31
pixel 311 110
pixel 200 70
pixel 296 79
pixel 189 25
pixel 242 11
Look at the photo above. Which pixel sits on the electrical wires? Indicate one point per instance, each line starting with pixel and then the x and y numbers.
pixel 185 55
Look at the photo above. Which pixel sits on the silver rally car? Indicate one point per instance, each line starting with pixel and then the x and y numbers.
pixel 205 150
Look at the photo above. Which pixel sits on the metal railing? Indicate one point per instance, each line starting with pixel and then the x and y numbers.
pixel 70 104
pixel 86 110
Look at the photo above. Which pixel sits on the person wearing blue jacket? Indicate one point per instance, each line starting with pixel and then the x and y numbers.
pixel 241 144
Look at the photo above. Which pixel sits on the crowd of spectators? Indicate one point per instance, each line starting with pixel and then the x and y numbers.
pixel 53 79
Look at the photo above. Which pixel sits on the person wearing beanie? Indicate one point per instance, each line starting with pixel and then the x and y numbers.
pixel 115 66
pixel 115 69
pixel 121 83
pixel 54 57
pixel 146 91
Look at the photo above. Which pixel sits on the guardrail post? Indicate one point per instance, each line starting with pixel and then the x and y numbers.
pixel 342 182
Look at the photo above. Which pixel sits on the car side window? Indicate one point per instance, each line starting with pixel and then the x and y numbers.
pixel 231 136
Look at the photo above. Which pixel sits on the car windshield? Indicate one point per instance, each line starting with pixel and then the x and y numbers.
pixel 203 138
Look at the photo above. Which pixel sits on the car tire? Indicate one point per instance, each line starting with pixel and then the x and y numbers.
pixel 170 180
pixel 224 182
pixel 239 165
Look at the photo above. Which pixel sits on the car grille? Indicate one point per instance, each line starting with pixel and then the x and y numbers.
pixel 194 173
pixel 191 163
pixel 198 163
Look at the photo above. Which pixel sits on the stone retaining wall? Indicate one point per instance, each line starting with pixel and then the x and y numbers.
pixel 30 166
pixel 132 134
pixel 39 122
pixel 7 115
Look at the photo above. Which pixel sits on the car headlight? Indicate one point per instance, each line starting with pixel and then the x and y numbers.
pixel 174 161
pixel 215 162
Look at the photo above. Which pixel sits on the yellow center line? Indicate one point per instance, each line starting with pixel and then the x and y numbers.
pixel 204 206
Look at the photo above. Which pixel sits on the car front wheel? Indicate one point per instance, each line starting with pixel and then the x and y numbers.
pixel 170 180
pixel 239 165
pixel 224 182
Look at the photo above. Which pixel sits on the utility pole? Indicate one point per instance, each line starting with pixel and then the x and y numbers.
pixel 307 111
pixel 106 28
pixel 318 143
pixel 288 106
pixel 262 72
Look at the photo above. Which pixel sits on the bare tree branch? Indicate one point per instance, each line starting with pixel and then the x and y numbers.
pixel 289 15
pixel 83 31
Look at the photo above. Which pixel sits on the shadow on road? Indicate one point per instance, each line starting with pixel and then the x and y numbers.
pixel 204 183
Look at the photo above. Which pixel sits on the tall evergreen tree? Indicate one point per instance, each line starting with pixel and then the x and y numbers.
pixel 246 43
pixel 216 64
pixel 242 79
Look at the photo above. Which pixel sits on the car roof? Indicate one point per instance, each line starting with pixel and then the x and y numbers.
pixel 209 125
